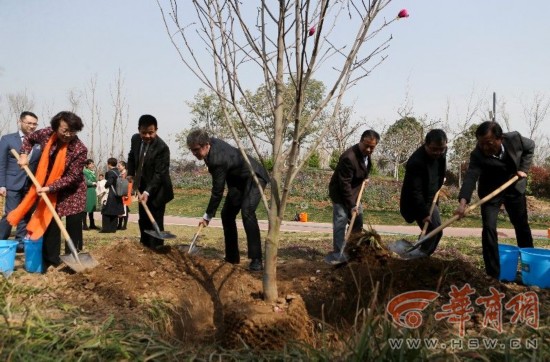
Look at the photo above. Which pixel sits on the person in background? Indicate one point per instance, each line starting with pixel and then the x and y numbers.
pixel 14 182
pixel 497 158
pixel 126 200
pixel 59 171
pixel 101 191
pixel 91 195
pixel 113 207
pixel 352 170
pixel 227 166
pixel 149 173
pixel 424 175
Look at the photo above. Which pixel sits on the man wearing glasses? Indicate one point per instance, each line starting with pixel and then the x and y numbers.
pixel 14 182
pixel 497 158
pixel 424 174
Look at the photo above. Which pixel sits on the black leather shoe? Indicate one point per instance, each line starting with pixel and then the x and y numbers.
pixel 256 265
pixel 94 227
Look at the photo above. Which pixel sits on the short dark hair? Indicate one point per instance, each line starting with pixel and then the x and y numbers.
pixel 370 134
pixel 198 137
pixel 123 163
pixel 27 113
pixel 435 135
pixel 112 161
pixel 73 121
pixel 89 161
pixel 147 120
pixel 489 126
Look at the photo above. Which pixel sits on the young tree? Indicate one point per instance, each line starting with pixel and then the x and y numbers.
pixel 267 42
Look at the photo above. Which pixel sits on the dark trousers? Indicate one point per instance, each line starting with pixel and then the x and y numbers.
pixel 109 223
pixel 51 246
pixel 13 199
pixel 516 207
pixel 145 224
pixel 89 215
pixel 245 200
pixel 431 244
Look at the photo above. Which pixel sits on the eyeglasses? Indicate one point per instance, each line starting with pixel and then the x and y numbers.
pixel 67 132
pixel 30 124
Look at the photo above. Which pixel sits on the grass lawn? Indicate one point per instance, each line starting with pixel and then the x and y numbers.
pixel 193 202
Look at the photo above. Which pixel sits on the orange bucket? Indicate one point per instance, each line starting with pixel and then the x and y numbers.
pixel 303 217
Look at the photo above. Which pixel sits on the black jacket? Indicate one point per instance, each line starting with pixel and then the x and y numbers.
pixel 226 164
pixel 114 205
pixel 518 148
pixel 416 198
pixel 348 177
pixel 155 178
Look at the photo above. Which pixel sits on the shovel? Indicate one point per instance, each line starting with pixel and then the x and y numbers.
pixel 75 261
pixel 191 249
pixel 157 233
pixel 456 217
pixel 401 246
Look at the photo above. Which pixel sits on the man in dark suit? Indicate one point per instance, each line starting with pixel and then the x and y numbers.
pixel 497 158
pixel 424 175
pixel 226 164
pixel 352 170
pixel 14 182
pixel 149 172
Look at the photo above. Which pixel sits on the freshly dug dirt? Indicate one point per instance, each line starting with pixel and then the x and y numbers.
pixel 213 301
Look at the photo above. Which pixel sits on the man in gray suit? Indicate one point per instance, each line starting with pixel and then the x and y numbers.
pixel 497 158
pixel 14 182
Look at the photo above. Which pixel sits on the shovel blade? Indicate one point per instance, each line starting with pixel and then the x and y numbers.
pixel 190 249
pixel 83 262
pixel 161 234
pixel 406 250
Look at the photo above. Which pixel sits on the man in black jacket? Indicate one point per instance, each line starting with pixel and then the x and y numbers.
pixel 353 168
pixel 424 175
pixel 148 170
pixel 226 164
pixel 496 159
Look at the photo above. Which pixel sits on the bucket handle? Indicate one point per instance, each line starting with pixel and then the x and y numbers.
pixel 7 250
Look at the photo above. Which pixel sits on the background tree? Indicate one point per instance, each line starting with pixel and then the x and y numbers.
pixel 267 42
pixel 463 145
pixel 535 113
pixel 16 103
pixel 341 131
pixel 401 138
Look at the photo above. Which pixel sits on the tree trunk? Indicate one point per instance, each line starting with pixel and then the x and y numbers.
pixel 271 248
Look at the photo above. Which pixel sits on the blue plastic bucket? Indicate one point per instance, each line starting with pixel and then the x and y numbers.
pixel 7 256
pixel 33 255
pixel 535 267
pixel 509 256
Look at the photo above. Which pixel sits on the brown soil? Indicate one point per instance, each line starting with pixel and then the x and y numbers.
pixel 213 301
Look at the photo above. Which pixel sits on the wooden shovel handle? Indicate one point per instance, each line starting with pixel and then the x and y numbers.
pixel 51 207
pixel 470 208
pixel 354 212
pixel 434 202
pixel 148 212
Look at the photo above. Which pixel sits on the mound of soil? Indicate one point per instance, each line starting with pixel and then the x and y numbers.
pixel 211 300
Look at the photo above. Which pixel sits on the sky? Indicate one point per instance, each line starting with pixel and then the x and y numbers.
pixel 446 52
